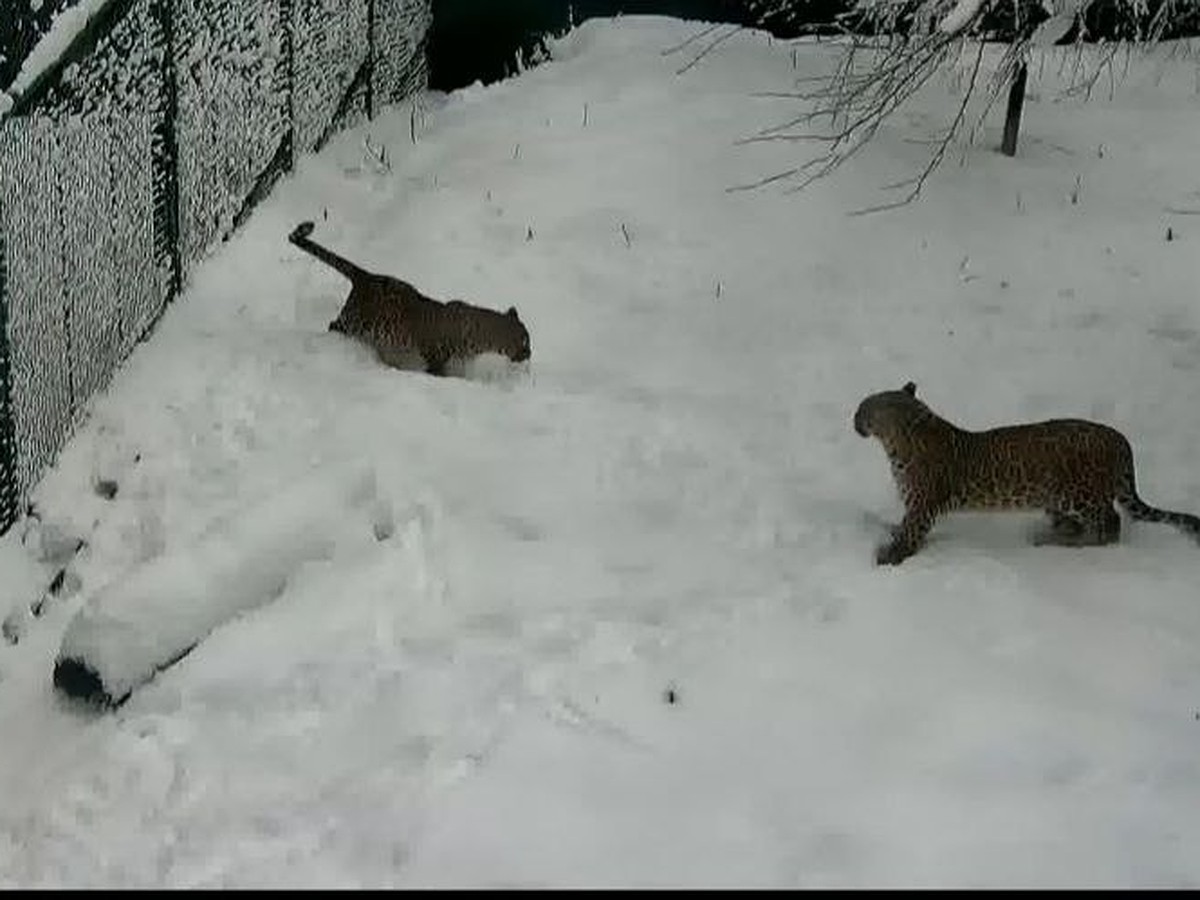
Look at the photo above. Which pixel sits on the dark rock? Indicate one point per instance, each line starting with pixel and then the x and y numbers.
pixel 76 679
pixel 12 626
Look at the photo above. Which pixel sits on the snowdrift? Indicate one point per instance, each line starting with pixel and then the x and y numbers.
pixel 146 621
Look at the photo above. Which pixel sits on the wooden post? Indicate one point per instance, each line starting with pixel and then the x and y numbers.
pixel 1012 118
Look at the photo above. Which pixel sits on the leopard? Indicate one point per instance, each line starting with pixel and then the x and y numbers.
pixel 1072 469
pixel 399 322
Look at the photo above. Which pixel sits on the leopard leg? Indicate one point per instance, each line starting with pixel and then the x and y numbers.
pixel 1092 526
pixel 907 538
pixel 1101 525
pixel 1112 524
pixel 1106 525
pixel 435 364
pixel 1065 530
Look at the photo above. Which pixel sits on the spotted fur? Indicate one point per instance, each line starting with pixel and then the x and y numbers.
pixel 1071 468
pixel 399 322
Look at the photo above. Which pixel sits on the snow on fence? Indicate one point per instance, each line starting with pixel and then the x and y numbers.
pixel 138 134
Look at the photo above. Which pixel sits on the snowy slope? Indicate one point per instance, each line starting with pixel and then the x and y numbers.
pixel 628 629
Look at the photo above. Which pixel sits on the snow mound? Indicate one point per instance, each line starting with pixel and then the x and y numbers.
pixel 146 621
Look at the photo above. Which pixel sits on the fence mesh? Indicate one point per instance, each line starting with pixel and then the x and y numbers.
pixel 150 142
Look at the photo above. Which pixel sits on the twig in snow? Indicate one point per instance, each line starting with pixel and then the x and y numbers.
pixel 628 240
pixel 377 154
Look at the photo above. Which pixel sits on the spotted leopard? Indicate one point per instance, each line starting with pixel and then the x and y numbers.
pixel 399 322
pixel 1071 468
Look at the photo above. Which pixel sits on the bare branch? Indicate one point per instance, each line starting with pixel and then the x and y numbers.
pixel 710 47
pixel 935 160
pixel 780 176
pixel 872 76
pixel 704 32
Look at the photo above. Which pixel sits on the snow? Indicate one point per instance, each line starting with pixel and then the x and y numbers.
pixel 1052 30
pixel 145 621
pixel 1063 15
pixel 628 629
pixel 960 17
pixel 50 47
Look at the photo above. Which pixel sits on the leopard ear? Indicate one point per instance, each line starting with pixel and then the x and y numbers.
pixel 910 388
pixel 511 312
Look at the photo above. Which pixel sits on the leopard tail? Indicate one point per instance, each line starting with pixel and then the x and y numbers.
pixel 300 237
pixel 1127 496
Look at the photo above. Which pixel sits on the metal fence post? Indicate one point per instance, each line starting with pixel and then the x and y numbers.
pixel 126 59
pixel 370 98
pixel 287 24
pixel 9 493
pixel 165 155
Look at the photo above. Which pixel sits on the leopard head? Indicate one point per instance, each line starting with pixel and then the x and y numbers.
pixel 516 338
pixel 883 412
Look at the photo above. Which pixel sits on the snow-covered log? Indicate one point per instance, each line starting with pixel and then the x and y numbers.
pixel 150 618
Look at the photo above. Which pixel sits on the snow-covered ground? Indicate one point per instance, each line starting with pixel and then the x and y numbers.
pixel 628 629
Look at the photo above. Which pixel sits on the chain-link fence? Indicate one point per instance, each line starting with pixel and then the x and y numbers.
pixel 153 136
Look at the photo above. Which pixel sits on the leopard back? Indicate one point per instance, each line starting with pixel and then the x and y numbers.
pixel 1059 462
pixel 1071 468
pixel 401 323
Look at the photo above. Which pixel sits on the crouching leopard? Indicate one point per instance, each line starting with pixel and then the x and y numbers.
pixel 399 322
pixel 1071 468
